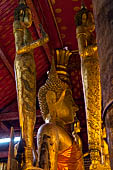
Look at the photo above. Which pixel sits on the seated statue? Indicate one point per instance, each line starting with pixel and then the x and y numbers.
pixel 56 147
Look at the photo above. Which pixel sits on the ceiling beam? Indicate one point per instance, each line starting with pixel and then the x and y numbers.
pixel 9 116
pixel 14 116
pixel 4 127
pixel 7 134
pixel 36 20
pixel 6 63
pixel 4 154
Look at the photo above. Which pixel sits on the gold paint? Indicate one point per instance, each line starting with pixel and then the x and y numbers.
pixel 75 134
pixel 62 61
pixel 53 2
pixel 62 72
pixel 75 0
pixel 75 51
pixel 63 57
pixel 86 154
pixel 76 8
pixel 64 28
pixel 59 20
pixel 61 66
pixel 58 10
pixel 57 108
pixel 3 166
pixel 105 151
pixel 25 71
pixel 91 6
pixel 91 82
pixel 63 36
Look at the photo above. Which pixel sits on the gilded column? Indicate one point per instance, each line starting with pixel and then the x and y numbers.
pixel 103 13
pixel 91 82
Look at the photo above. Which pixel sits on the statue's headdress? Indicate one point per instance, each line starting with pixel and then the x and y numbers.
pixel 21 8
pixel 53 83
pixel 58 80
pixel 78 16
pixel 63 56
pixel 22 2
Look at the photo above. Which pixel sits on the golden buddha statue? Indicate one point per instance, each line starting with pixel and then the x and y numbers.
pixel 3 166
pixel 105 151
pixel 75 133
pixel 25 75
pixel 91 81
pixel 56 147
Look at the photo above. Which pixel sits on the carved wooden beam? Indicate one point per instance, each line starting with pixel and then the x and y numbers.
pixel 36 20
pixel 4 154
pixel 9 116
pixel 3 127
pixel 6 62
pixel 13 116
pixel 7 134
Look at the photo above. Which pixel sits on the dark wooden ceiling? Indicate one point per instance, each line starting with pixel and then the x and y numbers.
pixel 57 17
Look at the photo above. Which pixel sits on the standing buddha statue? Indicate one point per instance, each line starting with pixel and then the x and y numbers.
pixel 25 76
pixel 57 149
pixel 91 81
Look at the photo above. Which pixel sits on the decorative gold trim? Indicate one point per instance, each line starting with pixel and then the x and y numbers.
pixel 53 2
pixel 75 51
pixel 76 8
pixel 18 29
pixel 79 34
pixel 59 20
pixel 62 72
pixel 63 28
pixel 58 10
pixel 61 66
pixel 86 154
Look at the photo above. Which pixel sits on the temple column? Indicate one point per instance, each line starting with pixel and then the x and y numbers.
pixel 103 13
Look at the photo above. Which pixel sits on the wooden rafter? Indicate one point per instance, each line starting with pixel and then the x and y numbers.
pixel 36 20
pixel 4 127
pixel 13 116
pixel 6 62
pixel 7 134
pixel 3 154
pixel 9 116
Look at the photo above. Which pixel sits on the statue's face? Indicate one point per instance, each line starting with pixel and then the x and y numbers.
pixel 26 18
pixel 67 110
pixel 88 21
pixel 84 19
